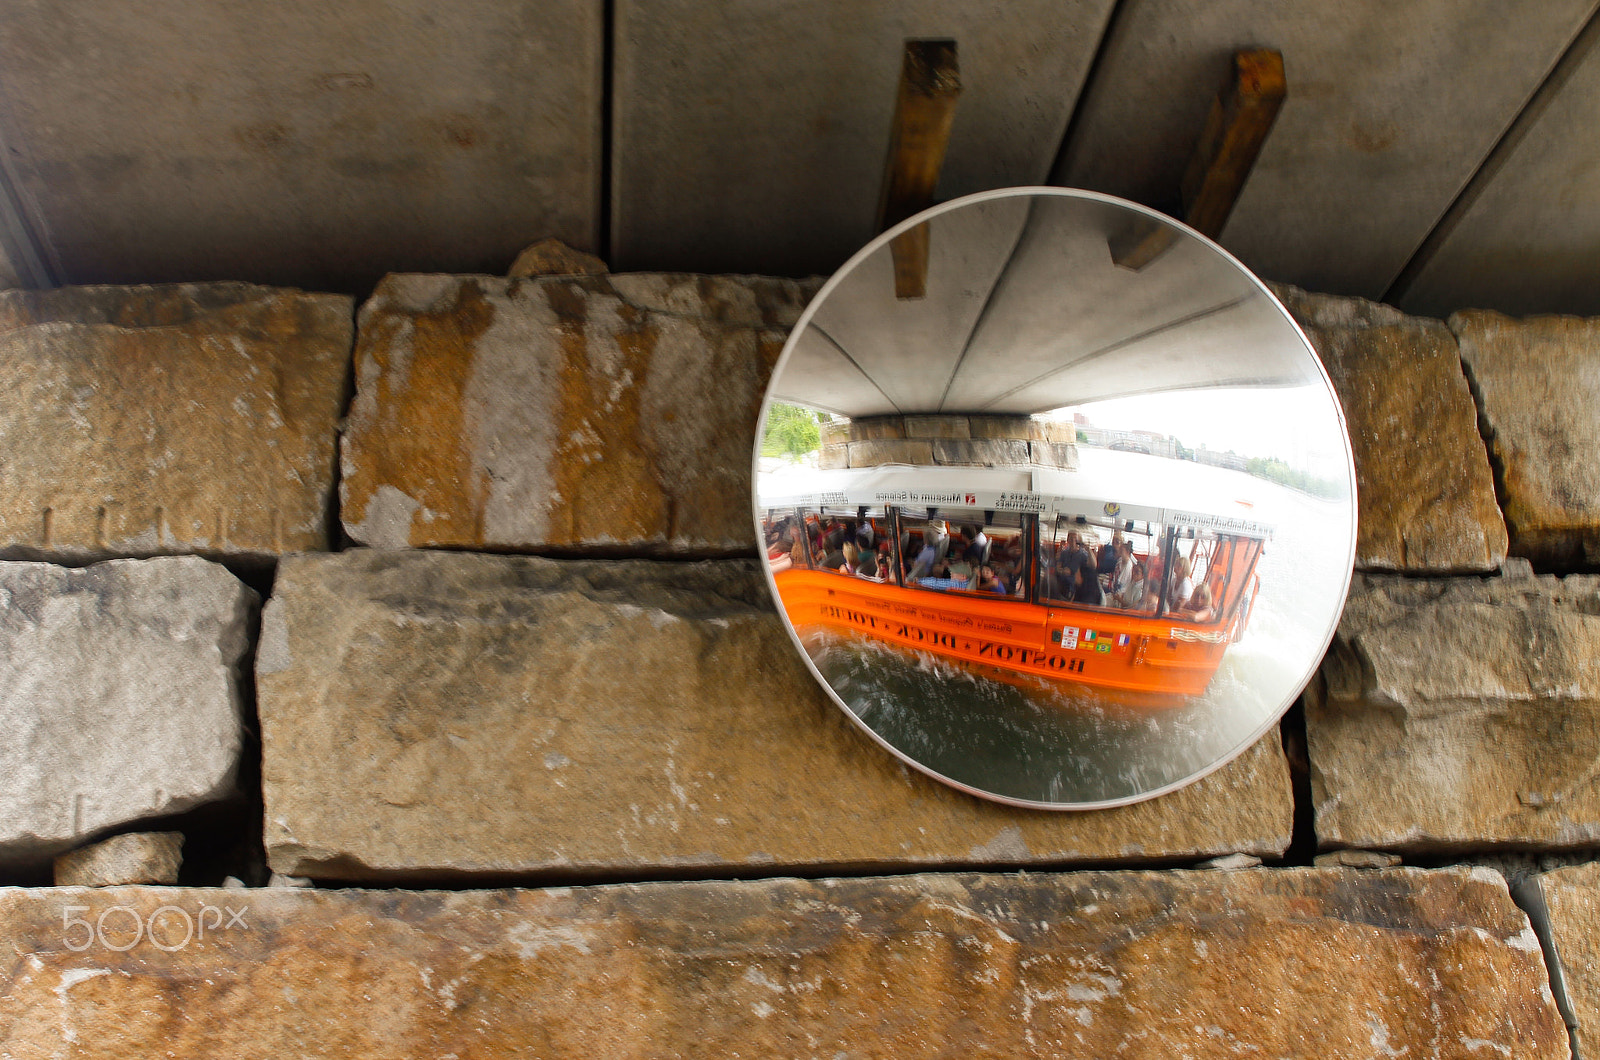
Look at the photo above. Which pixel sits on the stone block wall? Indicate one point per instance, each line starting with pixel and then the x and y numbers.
pixel 500 748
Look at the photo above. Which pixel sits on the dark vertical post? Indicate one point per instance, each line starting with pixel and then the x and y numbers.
pixel 930 83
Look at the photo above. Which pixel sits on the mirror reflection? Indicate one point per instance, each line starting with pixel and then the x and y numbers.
pixel 1061 533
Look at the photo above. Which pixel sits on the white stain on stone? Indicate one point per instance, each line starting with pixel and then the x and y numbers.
pixel 272 655
pixel 756 977
pixel 1007 845
pixel 1524 940
pixel 530 941
pixel 1379 1038
pixel 71 977
pixel 387 520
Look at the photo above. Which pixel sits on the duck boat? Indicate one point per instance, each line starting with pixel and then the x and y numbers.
pixel 1147 645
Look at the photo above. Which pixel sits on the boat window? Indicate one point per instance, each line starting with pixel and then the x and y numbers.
pixel 949 550
pixel 1210 574
pixel 1115 559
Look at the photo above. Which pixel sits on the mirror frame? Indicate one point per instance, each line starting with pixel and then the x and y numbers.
pixel 879 244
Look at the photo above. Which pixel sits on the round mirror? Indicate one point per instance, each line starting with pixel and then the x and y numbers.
pixel 1056 497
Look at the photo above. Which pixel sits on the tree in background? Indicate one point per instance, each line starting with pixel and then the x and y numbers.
pixel 791 431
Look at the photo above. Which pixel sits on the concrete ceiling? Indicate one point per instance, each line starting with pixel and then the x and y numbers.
pixel 1436 153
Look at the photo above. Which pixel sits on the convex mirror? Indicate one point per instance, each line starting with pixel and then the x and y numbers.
pixel 1067 519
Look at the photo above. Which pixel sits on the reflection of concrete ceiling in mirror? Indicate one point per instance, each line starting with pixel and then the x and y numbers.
pixel 1023 325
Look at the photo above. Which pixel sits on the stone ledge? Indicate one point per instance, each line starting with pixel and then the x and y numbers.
pixel 1344 963
pixel 1460 714
pixel 428 714
pixel 190 418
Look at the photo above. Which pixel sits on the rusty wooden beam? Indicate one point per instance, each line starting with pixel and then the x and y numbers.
pixel 1237 127
pixel 925 106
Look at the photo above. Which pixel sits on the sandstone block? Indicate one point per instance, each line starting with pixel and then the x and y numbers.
pixel 1423 484
pixel 1538 385
pixel 551 257
pixel 514 717
pixel 119 696
pixel 1572 898
pixel 192 418
pixel 834 432
pixel 868 428
pixel 832 457
pixel 1460 713
pixel 875 451
pixel 1343 964
pixel 1054 454
pixel 137 857
pixel 1022 427
pixel 938 427
pixel 600 412
pixel 980 452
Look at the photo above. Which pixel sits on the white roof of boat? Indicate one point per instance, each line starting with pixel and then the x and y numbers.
pixel 1119 486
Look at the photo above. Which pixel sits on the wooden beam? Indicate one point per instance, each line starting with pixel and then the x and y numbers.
pixel 930 83
pixel 1237 127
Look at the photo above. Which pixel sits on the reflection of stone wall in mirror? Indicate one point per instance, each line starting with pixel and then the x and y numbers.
pixel 1027 315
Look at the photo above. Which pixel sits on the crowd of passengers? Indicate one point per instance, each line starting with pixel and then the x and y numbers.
pixel 1081 569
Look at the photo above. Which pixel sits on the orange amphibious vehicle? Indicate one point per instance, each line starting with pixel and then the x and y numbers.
pixel 1010 573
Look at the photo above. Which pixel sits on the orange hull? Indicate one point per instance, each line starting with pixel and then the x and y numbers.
pixel 1161 660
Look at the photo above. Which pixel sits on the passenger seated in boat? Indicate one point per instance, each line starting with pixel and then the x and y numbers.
pixel 1106 562
pixel 1199 608
pixel 852 556
pixel 976 545
pixel 985 580
pixel 1134 595
pixel 868 568
pixel 1087 588
pixel 1183 586
pixel 922 567
pixel 1122 571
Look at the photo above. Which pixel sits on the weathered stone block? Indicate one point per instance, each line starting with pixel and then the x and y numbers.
pixel 1022 427
pixel 433 712
pixel 938 427
pixel 552 257
pixel 138 421
pixel 1137 964
pixel 834 432
pixel 1054 454
pixel 134 858
pixel 869 428
pixel 832 457
pixel 1538 385
pixel 981 452
pixel 1458 714
pixel 873 452
pixel 1572 897
pixel 1423 484
pixel 119 696
pixel 600 412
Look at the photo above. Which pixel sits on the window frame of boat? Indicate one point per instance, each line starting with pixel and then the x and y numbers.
pixel 1075 520
pixel 1024 519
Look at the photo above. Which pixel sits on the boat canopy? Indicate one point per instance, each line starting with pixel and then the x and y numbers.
pixel 1184 494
